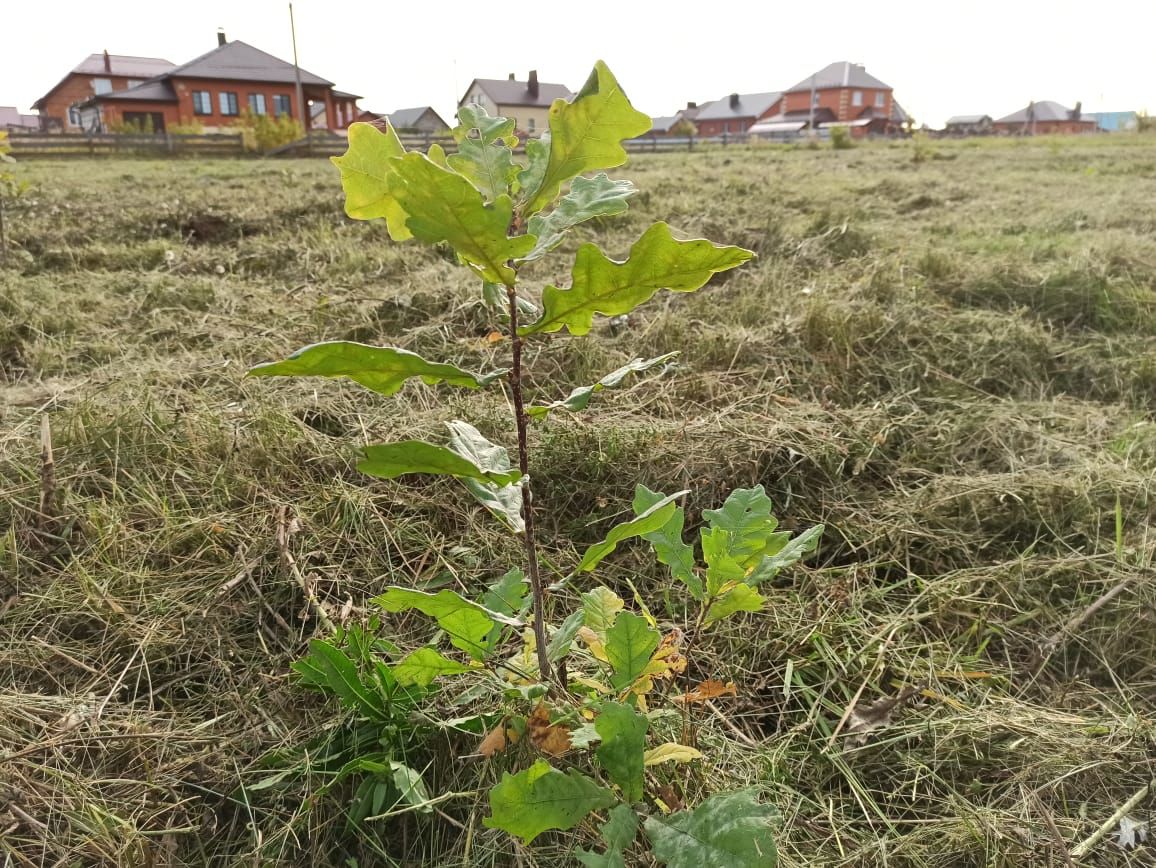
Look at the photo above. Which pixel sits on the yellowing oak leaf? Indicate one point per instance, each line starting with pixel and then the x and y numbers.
pixel 709 689
pixel 600 285
pixel 670 753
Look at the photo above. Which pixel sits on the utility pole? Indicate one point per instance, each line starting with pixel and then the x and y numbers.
pixel 811 120
pixel 305 120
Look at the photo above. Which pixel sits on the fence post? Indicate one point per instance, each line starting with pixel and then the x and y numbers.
pixel 690 142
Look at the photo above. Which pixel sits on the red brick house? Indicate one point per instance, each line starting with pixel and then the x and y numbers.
pixel 96 74
pixel 215 88
pixel 840 94
pixel 1040 118
pixel 734 114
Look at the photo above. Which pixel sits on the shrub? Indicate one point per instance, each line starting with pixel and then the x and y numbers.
pixel 841 139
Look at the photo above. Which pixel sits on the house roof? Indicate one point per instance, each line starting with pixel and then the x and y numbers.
pixel 967 119
pixel 125 65
pixel 663 124
pixel 742 105
pixel 897 113
pixel 504 91
pixel 822 115
pixel 840 74
pixel 240 61
pixel 1044 110
pixel 407 117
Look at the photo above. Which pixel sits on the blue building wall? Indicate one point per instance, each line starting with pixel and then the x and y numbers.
pixel 1115 121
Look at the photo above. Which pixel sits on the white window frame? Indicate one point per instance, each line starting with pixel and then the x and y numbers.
pixel 199 109
pixel 856 97
pixel 101 86
pixel 224 103
pixel 256 103
pixel 279 99
pixel 880 99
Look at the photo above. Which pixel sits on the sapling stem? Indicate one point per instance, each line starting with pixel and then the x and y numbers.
pixel 522 422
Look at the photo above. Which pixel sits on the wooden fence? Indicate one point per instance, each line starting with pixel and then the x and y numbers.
pixel 319 144
pixel 50 145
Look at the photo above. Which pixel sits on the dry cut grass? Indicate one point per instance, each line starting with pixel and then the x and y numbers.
pixel 952 364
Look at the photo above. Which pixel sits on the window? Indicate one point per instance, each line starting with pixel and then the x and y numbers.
pixel 257 103
pixel 228 102
pixel 857 97
pixel 202 102
pixel 530 125
pixel 132 82
pixel 281 104
pixel 102 85
pixel 879 99
pixel 815 98
pixel 74 116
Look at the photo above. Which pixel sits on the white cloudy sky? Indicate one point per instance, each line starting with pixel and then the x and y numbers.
pixel 981 56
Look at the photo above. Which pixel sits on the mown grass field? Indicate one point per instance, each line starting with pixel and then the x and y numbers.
pixel 950 363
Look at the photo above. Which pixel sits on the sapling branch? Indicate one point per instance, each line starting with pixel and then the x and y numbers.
pixel 522 422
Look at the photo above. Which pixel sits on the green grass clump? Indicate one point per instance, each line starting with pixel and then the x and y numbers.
pixel 949 362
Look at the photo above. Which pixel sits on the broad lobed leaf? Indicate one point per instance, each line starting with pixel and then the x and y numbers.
pixel 503 500
pixel 623 733
pixel 382 369
pixel 728 830
pixel 653 519
pixel 423 666
pixel 600 285
pixel 390 460
pixel 667 541
pixel 366 177
pixel 541 798
pixel 588 198
pixel 468 624
pixel 629 646
pixel 587 134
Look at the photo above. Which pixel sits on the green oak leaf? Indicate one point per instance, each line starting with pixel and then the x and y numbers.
pixel 466 623
pixel 411 787
pixel 600 285
pixel 623 732
pixel 563 638
pixel 541 798
pixel 382 369
pixel 654 518
pixel 619 832
pixel 367 177
pixel 537 156
pixel 629 646
pixel 503 500
pixel 789 554
pixel 721 567
pixel 740 598
pixel 506 596
pixel 423 666
pixel 485 160
pixel 746 516
pixel 587 134
pixel 442 206
pixel 667 541
pixel 600 608
pixel 579 398
pixel 389 460
pixel 588 198
pixel 728 830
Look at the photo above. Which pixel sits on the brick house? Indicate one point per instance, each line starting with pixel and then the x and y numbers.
pixel 527 102
pixel 841 94
pixel 680 123
pixel 735 114
pixel 96 74
pixel 1043 117
pixel 215 88
pixel 968 125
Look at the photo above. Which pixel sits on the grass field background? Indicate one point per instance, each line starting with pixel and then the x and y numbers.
pixel 951 363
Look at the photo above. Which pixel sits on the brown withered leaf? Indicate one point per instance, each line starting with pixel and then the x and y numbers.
pixel 709 689
pixel 865 719
pixel 494 742
pixel 668 799
pixel 550 738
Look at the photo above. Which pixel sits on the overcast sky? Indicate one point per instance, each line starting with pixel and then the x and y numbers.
pixel 941 58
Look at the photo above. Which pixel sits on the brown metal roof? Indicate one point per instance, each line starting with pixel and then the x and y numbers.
pixel 239 61
pixel 505 91
pixel 118 64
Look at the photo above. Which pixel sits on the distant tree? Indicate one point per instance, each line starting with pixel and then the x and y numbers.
pixel 684 127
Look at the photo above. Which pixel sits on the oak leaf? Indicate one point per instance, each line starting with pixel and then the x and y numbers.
pixel 550 738
pixel 709 689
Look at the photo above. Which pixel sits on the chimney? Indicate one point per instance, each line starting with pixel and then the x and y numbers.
pixel 221 40
pixel 532 86
pixel 107 62
pixel 691 105
pixel 512 76
pixel 734 100
pixel 1077 112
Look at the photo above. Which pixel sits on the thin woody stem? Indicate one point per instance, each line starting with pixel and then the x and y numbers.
pixel 522 421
